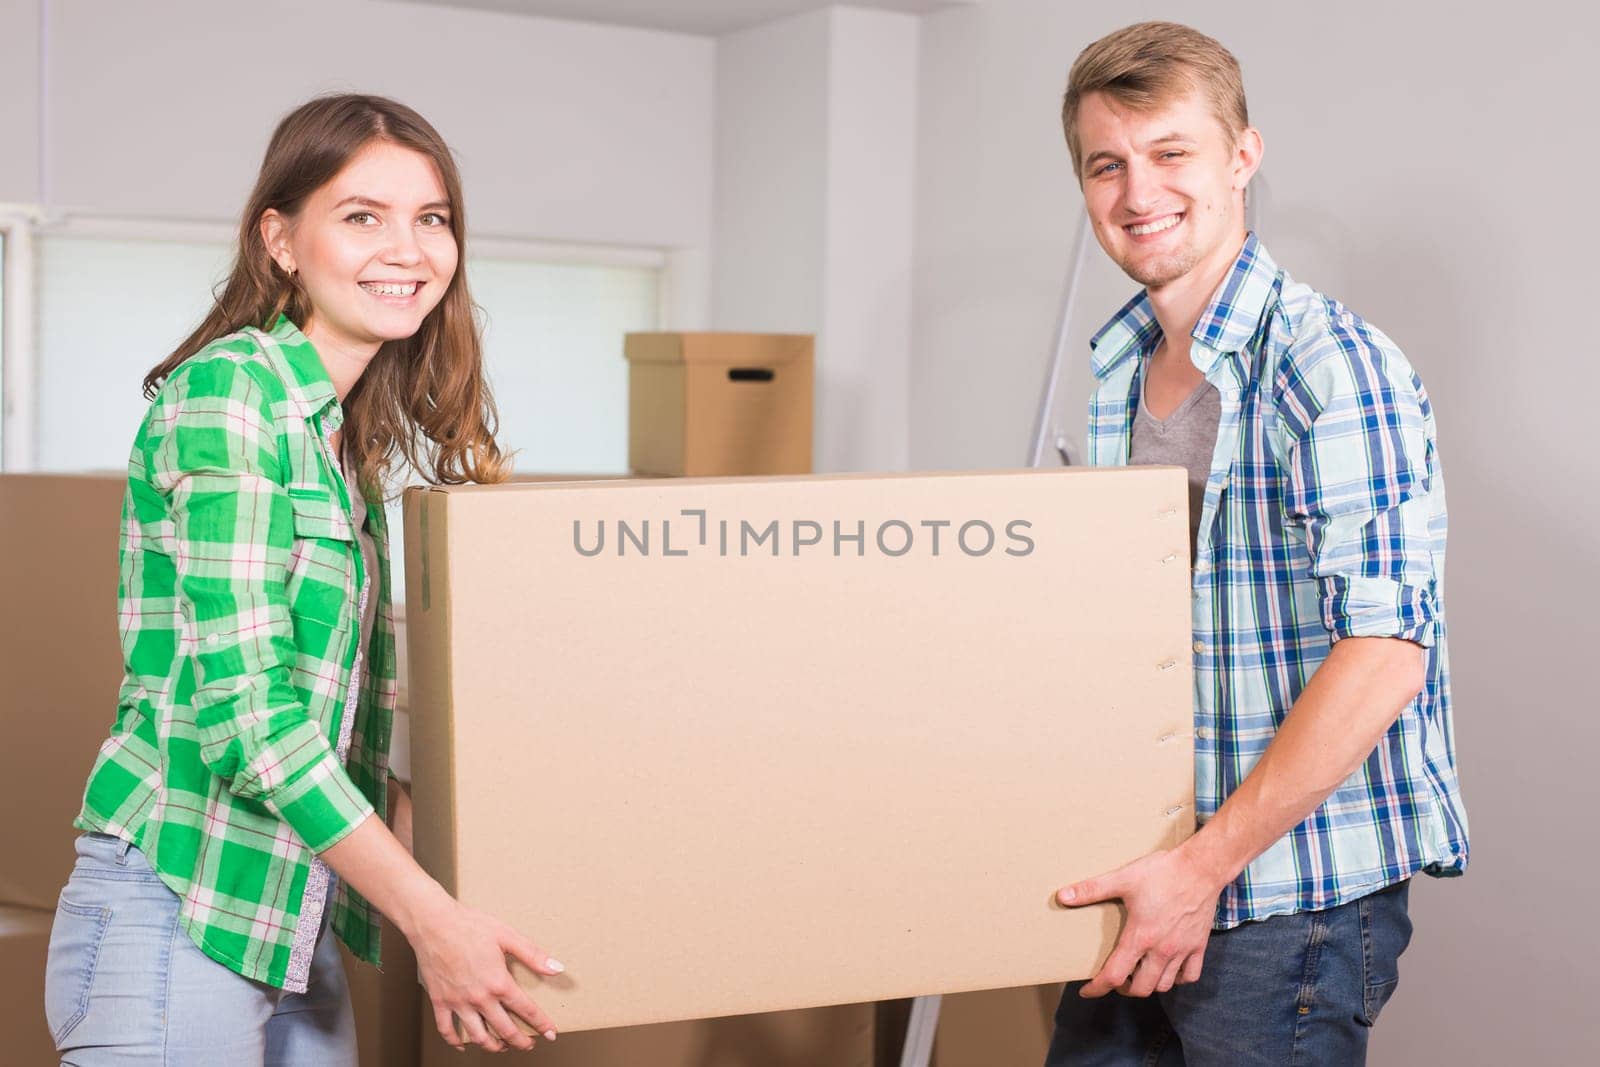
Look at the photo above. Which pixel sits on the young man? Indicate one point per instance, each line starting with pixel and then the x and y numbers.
pixel 1324 758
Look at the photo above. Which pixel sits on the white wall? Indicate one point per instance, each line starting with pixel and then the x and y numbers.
pixel 19 88
pixel 771 173
pixel 814 186
pixel 1433 171
pixel 863 408
pixel 565 131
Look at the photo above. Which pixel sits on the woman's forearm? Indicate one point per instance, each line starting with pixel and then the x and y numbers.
pixel 379 866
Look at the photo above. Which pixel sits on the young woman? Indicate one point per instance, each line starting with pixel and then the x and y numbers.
pixel 235 818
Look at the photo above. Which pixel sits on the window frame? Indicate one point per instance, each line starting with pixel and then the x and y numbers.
pixel 18 355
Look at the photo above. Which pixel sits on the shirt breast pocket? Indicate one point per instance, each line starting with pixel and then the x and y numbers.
pixel 318 516
pixel 321 579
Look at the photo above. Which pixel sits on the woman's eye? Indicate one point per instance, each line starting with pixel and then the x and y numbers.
pixel 433 218
pixel 361 218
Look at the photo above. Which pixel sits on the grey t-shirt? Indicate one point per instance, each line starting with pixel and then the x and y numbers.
pixel 1186 438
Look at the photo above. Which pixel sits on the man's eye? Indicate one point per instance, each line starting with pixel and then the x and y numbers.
pixel 1107 169
pixel 1174 154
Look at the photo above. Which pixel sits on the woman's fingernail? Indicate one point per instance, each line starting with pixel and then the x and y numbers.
pixel 553 964
pixel 549 1035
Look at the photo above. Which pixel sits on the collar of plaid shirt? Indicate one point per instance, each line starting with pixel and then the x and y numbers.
pixel 310 388
pixel 1226 326
pixel 1323 518
pixel 251 732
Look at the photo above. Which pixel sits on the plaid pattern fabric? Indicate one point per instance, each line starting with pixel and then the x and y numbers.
pixel 246 738
pixel 1324 518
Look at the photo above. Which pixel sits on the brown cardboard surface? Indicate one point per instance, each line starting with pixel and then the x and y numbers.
pixel 60 666
pixel 719 403
pixel 996 1027
pixel 388 1004
pixel 984 1028
pixel 716 784
pixel 24 943
pixel 838 1036
pixel 532 476
pixel 721 348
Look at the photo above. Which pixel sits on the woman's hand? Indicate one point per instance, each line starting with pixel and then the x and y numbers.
pixel 461 952
pixel 461 959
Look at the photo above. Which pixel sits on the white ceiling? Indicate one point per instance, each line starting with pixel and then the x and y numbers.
pixel 684 16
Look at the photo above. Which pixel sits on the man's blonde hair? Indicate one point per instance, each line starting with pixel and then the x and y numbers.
pixel 1148 65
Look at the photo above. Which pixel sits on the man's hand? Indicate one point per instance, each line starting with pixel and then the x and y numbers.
pixel 1171 903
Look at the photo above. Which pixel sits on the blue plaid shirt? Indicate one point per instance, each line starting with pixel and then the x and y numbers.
pixel 1324 518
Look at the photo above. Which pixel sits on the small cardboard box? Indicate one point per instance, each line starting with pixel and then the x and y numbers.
pixel 736 745
pixel 838 1036
pixel 719 403
pixel 24 943
pixel 60 666
pixel 388 1004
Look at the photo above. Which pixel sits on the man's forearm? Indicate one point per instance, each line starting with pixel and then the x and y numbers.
pixel 1343 712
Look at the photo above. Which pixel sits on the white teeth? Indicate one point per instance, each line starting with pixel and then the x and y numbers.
pixel 1155 227
pixel 389 289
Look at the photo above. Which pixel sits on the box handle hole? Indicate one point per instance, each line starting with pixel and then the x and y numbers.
pixel 749 374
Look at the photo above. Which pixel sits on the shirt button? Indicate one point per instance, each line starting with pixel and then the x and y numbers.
pixel 1199 646
pixel 211 639
pixel 1203 733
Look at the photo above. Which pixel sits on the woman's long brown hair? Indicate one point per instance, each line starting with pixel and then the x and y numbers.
pixel 423 399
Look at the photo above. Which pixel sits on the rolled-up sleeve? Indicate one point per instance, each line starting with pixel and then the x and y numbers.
pixel 214 456
pixel 1358 466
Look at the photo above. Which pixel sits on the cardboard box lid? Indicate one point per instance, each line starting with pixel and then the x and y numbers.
pixel 718 784
pixel 732 349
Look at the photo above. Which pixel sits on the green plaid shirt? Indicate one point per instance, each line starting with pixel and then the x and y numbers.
pixel 251 733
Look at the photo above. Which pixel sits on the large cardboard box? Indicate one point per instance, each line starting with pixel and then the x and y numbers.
pixel 838 1036
pixel 24 943
pixel 740 745
pixel 719 403
pixel 400 735
pixel 60 666
pixel 388 1004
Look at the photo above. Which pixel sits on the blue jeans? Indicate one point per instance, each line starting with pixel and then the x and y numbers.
pixel 1289 990
pixel 125 985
